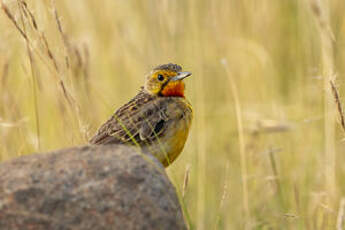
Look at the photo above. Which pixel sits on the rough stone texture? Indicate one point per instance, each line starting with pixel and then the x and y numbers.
pixel 89 187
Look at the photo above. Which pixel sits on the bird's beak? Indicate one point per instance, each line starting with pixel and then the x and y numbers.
pixel 181 76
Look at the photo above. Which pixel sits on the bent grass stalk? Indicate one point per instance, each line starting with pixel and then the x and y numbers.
pixel 53 68
pixel 244 169
pixel 33 79
pixel 321 14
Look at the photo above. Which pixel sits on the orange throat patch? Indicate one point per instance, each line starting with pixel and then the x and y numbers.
pixel 173 89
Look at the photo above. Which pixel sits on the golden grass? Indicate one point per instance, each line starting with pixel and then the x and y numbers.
pixel 265 150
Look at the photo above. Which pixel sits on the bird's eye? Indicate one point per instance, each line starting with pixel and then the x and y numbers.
pixel 160 77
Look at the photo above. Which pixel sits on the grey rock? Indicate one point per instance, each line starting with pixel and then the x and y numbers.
pixel 88 187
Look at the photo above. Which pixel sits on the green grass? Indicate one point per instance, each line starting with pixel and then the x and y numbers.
pixel 266 150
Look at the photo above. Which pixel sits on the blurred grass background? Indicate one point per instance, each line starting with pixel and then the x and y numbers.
pixel 266 150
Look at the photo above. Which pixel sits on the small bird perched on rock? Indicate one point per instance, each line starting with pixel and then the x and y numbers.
pixel 157 119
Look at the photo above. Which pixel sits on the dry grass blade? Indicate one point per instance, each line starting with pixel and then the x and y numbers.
pixel 4 74
pixel 12 19
pixel 321 15
pixel 224 195
pixel 86 69
pixel 49 52
pixel 44 43
pixel 62 34
pixel 57 19
pixel 26 11
pixel 186 180
pixel 41 35
pixel 34 81
pixel 275 173
pixel 35 96
pixel 338 103
pixel 240 128
pixel 341 215
pixel 23 10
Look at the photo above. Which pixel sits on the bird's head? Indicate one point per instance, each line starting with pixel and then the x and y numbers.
pixel 166 81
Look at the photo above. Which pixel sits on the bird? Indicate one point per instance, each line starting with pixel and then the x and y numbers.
pixel 157 119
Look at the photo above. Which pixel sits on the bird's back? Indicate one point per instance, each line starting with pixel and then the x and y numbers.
pixel 121 126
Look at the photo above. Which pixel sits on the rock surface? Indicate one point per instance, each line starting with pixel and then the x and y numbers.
pixel 89 187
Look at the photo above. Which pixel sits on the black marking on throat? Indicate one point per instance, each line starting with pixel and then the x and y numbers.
pixel 163 86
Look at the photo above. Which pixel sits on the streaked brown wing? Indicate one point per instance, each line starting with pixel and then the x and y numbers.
pixel 139 121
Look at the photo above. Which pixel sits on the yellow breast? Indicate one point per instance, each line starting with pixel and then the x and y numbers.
pixel 169 146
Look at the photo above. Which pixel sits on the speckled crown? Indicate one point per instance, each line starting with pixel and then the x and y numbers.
pixel 170 66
